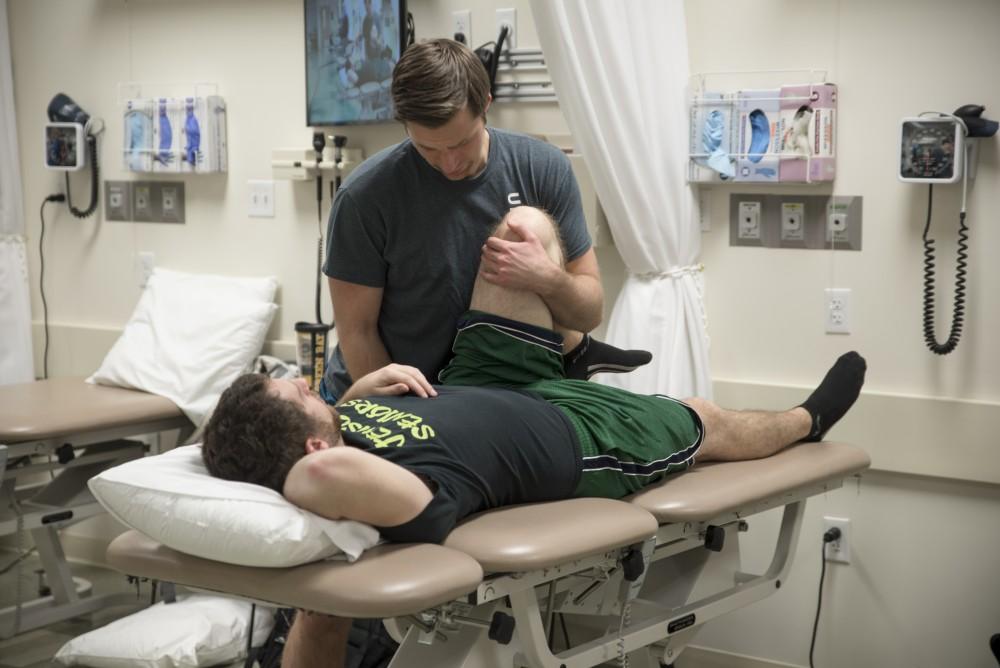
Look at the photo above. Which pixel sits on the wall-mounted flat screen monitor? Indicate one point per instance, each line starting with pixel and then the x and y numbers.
pixel 351 48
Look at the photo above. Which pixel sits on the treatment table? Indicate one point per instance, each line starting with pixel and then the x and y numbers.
pixel 636 577
pixel 54 436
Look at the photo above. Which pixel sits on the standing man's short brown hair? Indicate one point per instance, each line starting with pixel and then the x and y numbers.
pixel 434 80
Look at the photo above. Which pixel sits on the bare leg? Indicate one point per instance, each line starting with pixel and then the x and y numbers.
pixel 738 435
pixel 316 641
pixel 522 305
pixel 584 356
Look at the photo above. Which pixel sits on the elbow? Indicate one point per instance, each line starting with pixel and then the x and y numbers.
pixel 331 467
pixel 312 482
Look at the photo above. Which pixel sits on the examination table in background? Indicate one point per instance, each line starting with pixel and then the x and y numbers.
pixel 634 577
pixel 80 429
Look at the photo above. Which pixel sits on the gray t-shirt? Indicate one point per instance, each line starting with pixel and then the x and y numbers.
pixel 399 224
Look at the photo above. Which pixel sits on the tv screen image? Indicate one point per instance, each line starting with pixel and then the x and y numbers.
pixel 351 48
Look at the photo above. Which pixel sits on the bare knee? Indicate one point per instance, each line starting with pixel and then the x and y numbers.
pixel 713 429
pixel 708 411
pixel 538 223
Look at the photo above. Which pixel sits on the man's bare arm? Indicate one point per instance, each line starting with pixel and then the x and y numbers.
pixel 576 299
pixel 389 380
pixel 356 310
pixel 345 483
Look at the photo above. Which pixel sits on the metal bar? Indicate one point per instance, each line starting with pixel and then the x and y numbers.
pixel 43 446
pixel 497 586
pixel 44 611
pixel 50 553
pixel 527 97
pixel 512 69
pixel 660 626
pixel 34 519
pixel 518 84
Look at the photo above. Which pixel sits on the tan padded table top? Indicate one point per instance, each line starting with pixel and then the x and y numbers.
pixel 388 580
pixel 530 537
pixel 63 406
pixel 708 490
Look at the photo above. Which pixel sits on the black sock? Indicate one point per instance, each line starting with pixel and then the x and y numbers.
pixel 592 356
pixel 836 394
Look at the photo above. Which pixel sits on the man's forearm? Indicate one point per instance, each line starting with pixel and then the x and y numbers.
pixel 363 352
pixel 576 301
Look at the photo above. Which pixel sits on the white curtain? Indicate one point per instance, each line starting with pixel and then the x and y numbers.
pixel 620 69
pixel 16 361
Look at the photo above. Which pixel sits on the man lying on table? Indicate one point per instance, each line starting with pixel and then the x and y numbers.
pixel 505 427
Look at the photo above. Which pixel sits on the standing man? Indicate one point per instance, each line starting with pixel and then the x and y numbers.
pixel 410 226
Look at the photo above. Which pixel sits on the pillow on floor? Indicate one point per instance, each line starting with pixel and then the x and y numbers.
pixel 199 630
pixel 190 336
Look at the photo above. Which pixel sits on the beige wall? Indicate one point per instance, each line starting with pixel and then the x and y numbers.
pixel 922 589
pixel 86 48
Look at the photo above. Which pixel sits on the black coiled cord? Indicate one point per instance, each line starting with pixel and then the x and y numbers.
pixel 958 316
pixel 94 178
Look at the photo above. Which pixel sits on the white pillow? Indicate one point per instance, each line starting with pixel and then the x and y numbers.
pixel 172 499
pixel 199 630
pixel 190 336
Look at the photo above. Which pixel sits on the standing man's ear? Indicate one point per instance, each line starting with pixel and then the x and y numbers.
pixel 315 444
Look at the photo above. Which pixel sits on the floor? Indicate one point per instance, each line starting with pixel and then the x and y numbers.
pixel 35 649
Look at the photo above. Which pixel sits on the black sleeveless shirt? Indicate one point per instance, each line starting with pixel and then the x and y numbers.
pixel 477 448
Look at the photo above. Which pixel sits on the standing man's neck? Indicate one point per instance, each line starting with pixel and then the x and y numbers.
pixel 486 152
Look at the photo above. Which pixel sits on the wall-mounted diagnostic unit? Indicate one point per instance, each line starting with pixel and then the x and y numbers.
pixel 942 148
pixel 932 150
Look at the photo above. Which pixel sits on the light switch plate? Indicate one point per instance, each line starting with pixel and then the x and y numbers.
pixel 260 202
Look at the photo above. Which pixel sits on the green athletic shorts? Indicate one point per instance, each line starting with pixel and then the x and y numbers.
pixel 627 440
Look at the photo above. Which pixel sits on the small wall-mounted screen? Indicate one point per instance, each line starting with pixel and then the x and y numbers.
pixel 351 48
pixel 64 146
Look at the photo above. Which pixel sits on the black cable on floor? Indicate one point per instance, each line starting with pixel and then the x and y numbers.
pixel 828 537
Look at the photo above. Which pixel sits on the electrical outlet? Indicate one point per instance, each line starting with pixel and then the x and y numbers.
pixel 749 220
pixel 261 199
pixel 836 226
pixel 508 17
pixel 840 549
pixel 118 200
pixel 461 22
pixel 172 202
pixel 144 263
pixel 838 309
pixel 142 203
pixel 792 221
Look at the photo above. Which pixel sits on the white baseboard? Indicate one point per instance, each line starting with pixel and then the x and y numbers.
pixel 704 657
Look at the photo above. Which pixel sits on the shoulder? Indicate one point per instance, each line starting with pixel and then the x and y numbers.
pixel 380 170
pixel 520 143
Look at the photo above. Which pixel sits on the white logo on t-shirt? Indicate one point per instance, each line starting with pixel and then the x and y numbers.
pixel 514 199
